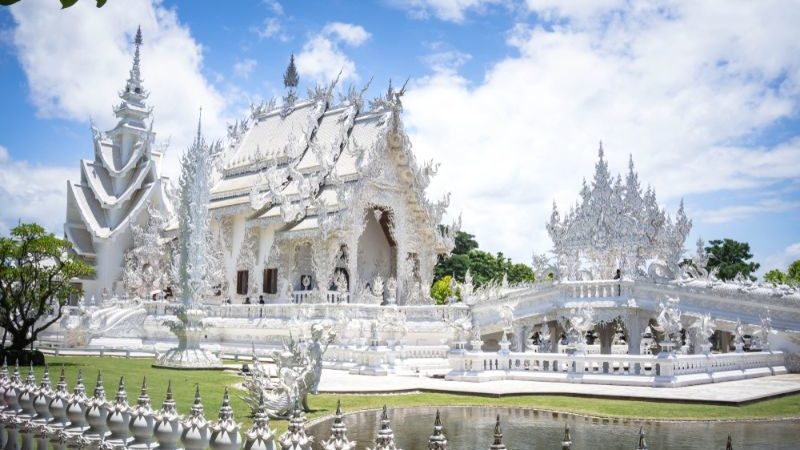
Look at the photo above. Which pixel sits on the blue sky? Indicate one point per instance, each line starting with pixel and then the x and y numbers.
pixel 510 96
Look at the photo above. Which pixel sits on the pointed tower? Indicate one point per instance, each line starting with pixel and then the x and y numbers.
pixel 498 437
pixel 437 441
pixel 115 188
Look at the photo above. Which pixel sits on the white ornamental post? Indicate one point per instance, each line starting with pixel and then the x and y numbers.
pixel 27 394
pixel 97 413
pixel 118 417
pixel 44 395
pixel 141 422
pixel 195 427
pixel 260 436
pixel 58 405
pixel 76 408
pixel 168 426
pixel 225 431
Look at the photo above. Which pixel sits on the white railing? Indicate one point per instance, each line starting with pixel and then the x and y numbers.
pixel 665 370
pixel 312 311
pixel 595 289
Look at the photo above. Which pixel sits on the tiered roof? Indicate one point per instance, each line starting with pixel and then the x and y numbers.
pixel 116 185
pixel 301 161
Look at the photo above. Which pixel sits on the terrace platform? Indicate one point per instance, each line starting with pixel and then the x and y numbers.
pixel 729 392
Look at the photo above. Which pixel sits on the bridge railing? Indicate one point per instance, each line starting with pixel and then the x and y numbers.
pixel 664 370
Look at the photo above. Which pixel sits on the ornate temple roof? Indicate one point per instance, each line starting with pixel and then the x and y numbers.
pixel 300 161
pixel 616 225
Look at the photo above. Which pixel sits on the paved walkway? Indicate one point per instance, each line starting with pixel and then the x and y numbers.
pixel 740 391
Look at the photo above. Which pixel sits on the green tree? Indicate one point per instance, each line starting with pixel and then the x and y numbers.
pixel 731 258
pixel 775 276
pixel 483 266
pixel 440 290
pixel 793 272
pixel 35 272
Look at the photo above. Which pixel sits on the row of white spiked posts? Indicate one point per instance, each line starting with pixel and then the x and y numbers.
pixel 41 418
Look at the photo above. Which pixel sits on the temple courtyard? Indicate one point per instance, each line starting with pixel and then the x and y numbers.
pixel 776 397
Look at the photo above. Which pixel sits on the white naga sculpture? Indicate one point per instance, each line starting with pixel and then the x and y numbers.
pixel 193 256
pixel 299 369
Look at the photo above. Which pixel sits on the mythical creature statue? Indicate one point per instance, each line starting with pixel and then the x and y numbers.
pixel 762 333
pixel 544 336
pixel 669 318
pixel 581 322
pixel 298 372
pixel 704 328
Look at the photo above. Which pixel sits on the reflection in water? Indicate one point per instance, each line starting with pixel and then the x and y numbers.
pixel 471 428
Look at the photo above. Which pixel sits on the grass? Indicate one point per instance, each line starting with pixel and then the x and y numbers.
pixel 213 383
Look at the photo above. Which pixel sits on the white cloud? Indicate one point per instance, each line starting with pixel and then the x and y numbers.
pixel 79 76
pixel 244 67
pixel 448 10
pixel 322 58
pixel 274 6
pixel 446 61
pixel 272 28
pixel 682 87
pixel 740 212
pixel 32 193
pixel 348 33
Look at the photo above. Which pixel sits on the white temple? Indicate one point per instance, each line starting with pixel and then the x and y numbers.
pixel 317 214
pixel 115 190
pixel 325 202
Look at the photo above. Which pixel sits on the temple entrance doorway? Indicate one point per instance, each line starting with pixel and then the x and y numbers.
pixel 377 249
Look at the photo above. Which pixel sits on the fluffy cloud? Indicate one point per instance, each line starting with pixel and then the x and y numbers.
pixel 739 212
pixel 272 28
pixel 244 67
pixel 322 58
pixel 77 59
pixel 447 60
pixel 32 193
pixel 448 10
pixel 684 87
pixel 348 33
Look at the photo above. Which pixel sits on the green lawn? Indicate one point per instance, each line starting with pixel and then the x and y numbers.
pixel 213 383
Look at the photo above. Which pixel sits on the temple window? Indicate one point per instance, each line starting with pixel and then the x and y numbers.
pixel 270 281
pixel 241 282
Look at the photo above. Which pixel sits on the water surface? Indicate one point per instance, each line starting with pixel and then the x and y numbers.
pixel 471 428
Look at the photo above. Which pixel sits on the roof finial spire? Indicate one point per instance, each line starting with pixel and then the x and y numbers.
pixel 199 126
pixel 600 151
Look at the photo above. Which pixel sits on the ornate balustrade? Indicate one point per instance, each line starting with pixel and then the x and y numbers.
pixel 595 289
pixel 661 370
pixel 328 311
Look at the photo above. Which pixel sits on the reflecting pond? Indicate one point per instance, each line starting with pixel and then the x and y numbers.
pixel 471 428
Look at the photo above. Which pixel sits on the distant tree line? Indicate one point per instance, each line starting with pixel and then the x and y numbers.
pixel 483 266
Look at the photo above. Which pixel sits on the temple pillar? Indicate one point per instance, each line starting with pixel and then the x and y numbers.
pixel 606 335
pixel 634 327
pixel 555 338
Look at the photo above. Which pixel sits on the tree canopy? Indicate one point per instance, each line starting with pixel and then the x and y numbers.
pixel 731 258
pixel 791 276
pixel 483 266
pixel 36 269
